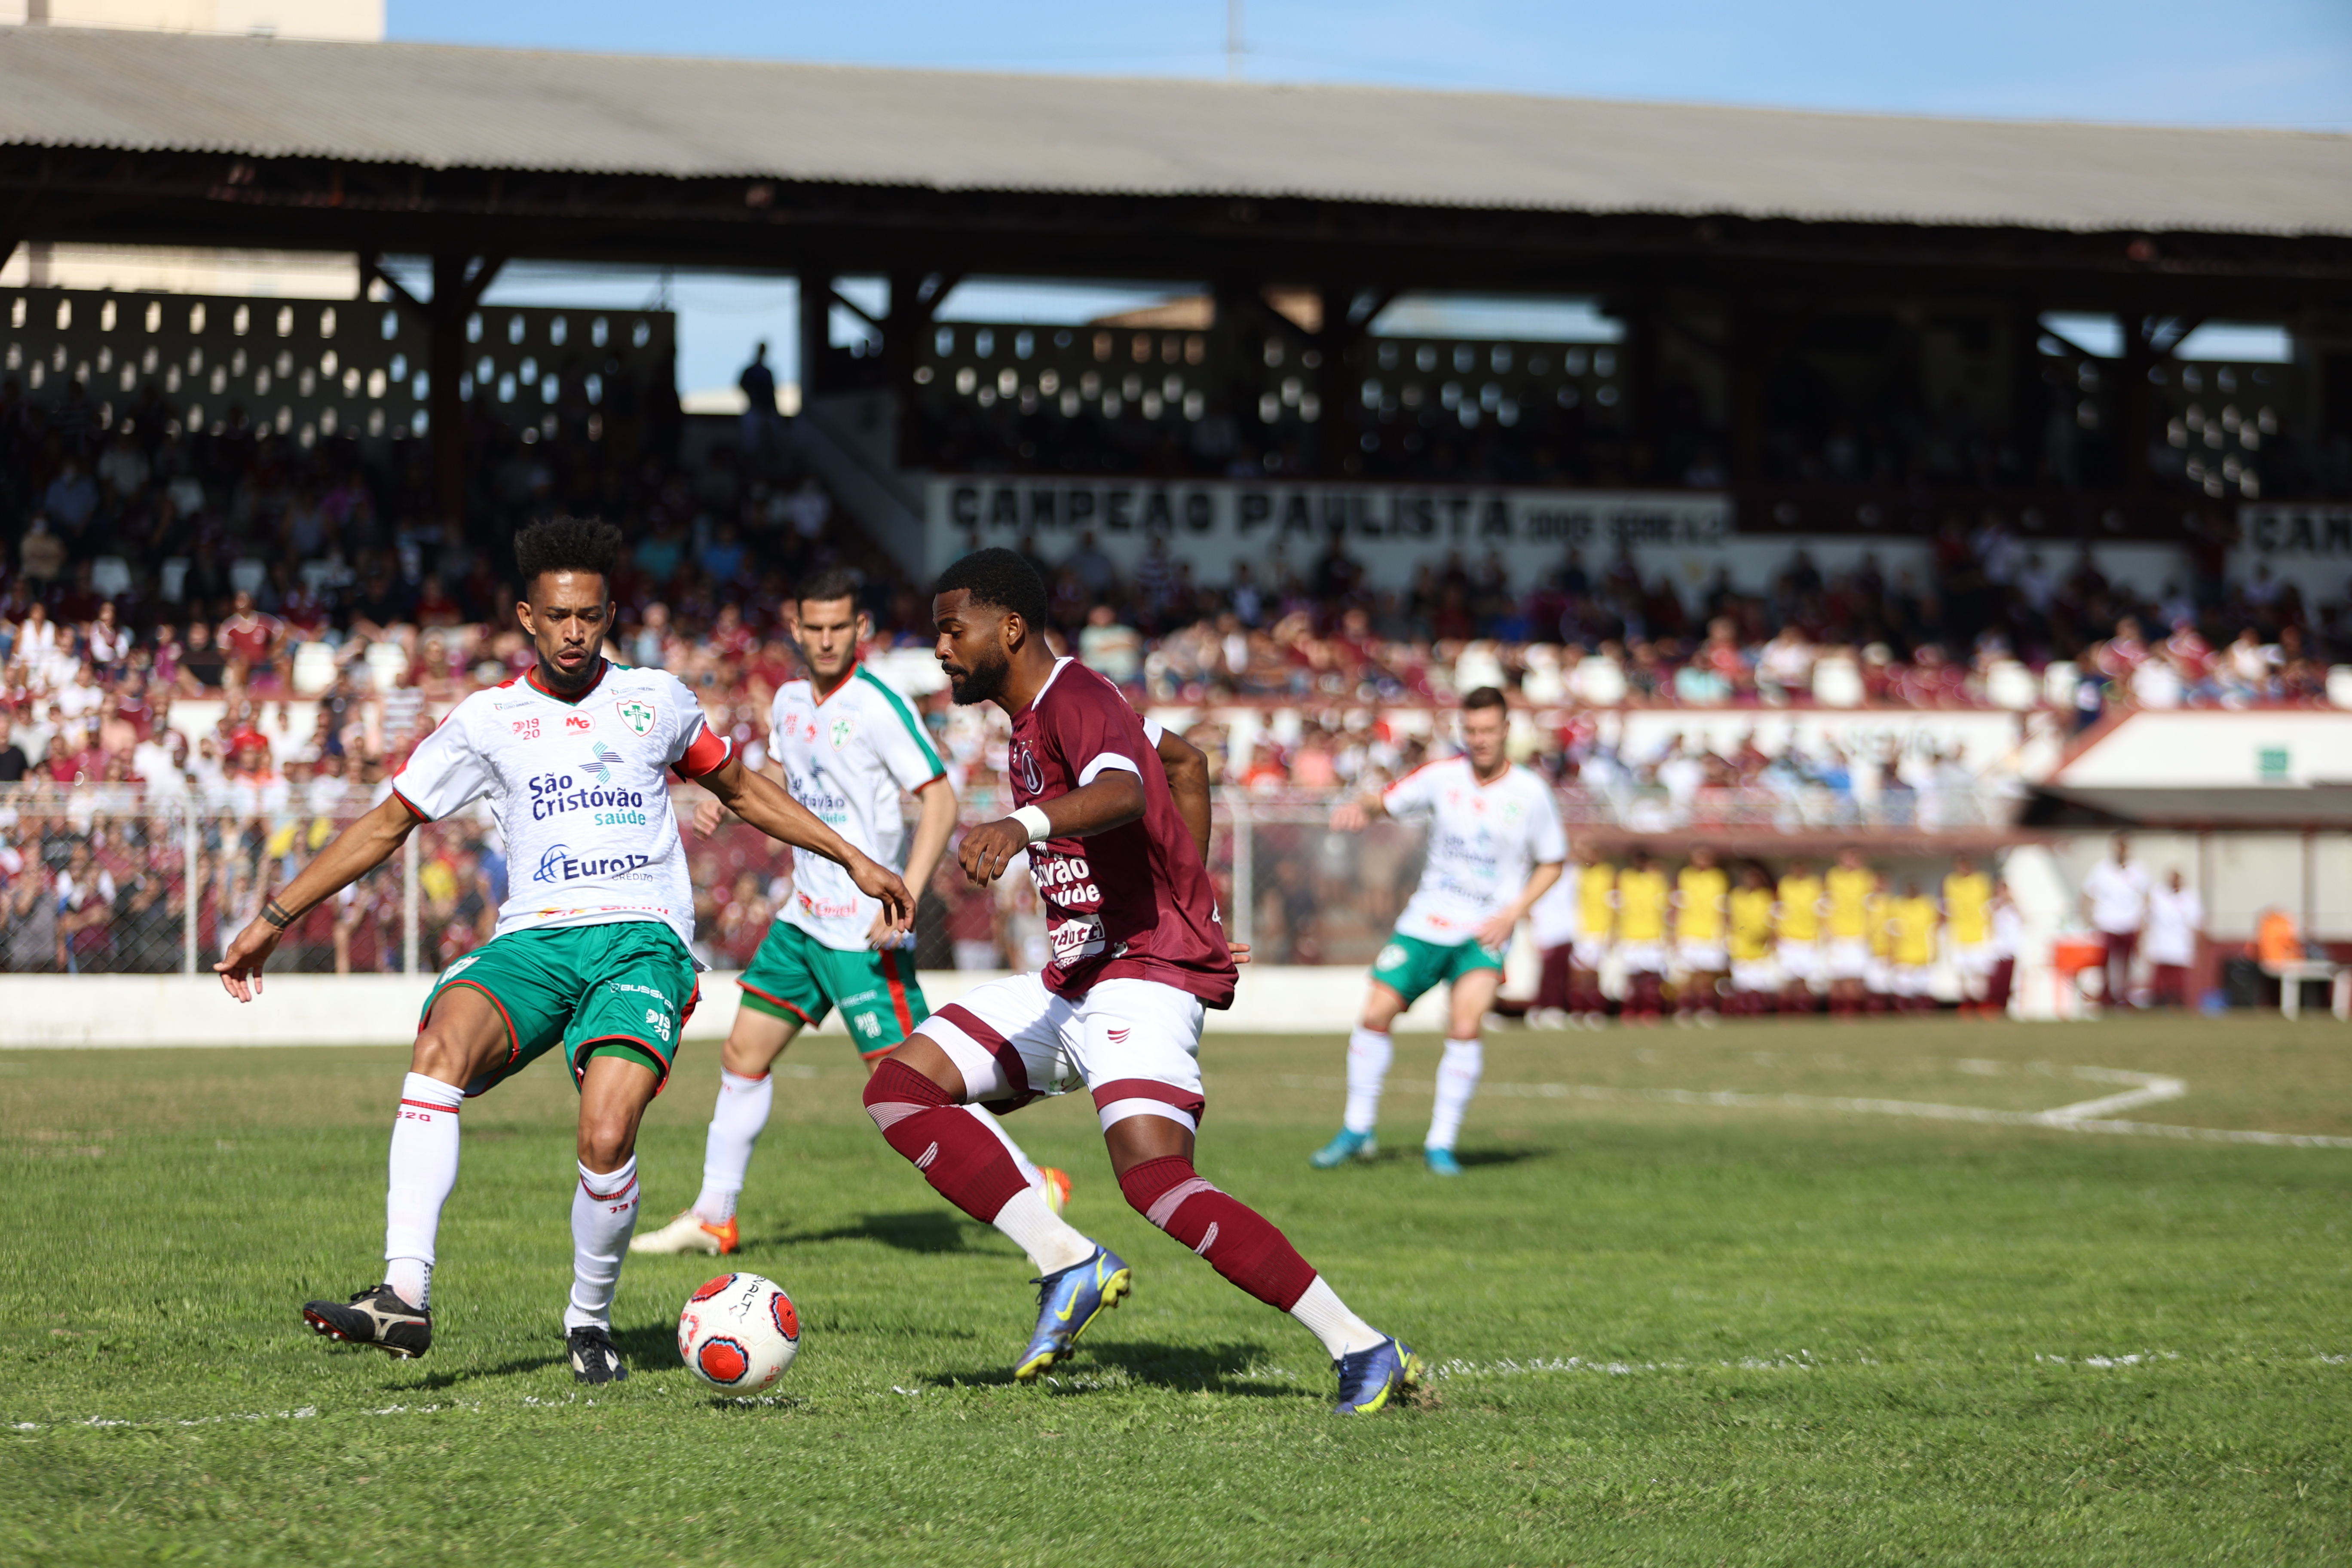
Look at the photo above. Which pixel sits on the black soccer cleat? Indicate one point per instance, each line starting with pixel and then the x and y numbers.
pixel 594 1359
pixel 376 1316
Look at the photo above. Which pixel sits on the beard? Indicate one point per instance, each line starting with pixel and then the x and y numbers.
pixel 984 680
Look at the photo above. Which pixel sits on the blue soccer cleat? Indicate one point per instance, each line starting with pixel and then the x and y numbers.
pixel 1346 1146
pixel 1370 1379
pixel 1067 1301
pixel 1441 1163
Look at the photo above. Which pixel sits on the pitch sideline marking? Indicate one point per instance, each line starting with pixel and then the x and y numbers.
pixel 2086 1116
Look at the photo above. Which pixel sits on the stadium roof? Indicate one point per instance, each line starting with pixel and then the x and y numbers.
pixel 435 106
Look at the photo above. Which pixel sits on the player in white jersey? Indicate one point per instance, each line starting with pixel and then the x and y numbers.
pixel 845 745
pixel 1496 847
pixel 591 952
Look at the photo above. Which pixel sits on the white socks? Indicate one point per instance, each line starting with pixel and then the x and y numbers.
pixel 735 1124
pixel 424 1167
pixel 737 1120
pixel 1032 1224
pixel 1370 1051
pixel 1328 1318
pixel 1457 1081
pixel 604 1213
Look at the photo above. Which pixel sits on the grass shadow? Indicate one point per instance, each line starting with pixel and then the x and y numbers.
pixel 916 1230
pixel 1149 1363
pixel 1477 1157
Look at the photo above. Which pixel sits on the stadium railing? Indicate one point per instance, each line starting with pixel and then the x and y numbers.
pixel 101 880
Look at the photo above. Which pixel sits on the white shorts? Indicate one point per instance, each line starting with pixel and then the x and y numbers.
pixel 1801 960
pixel 1704 958
pixel 1880 978
pixel 1847 957
pixel 1589 951
pixel 1973 958
pixel 1911 979
pixel 1754 974
pixel 1135 1045
pixel 1643 957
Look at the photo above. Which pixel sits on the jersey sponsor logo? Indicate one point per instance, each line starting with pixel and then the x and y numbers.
pixel 602 765
pixel 636 713
pixel 1073 939
pixel 525 729
pixel 1064 878
pixel 578 724
pixel 554 794
pixel 558 866
pixel 843 728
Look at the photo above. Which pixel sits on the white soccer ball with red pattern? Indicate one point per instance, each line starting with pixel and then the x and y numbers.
pixel 739 1333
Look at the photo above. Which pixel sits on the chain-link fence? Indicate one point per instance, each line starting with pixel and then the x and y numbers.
pixel 107 883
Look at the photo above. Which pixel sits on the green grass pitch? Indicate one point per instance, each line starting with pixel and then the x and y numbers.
pixel 1667 1331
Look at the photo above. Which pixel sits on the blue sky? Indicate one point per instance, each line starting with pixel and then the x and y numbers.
pixel 2248 62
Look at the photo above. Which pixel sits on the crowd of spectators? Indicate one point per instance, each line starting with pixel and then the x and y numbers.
pixel 258 631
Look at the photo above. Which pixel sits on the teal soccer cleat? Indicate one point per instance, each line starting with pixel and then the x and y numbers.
pixel 1346 1146
pixel 1370 1379
pixel 1441 1162
pixel 1067 1301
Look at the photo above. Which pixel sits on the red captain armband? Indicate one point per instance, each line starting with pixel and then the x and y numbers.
pixel 708 754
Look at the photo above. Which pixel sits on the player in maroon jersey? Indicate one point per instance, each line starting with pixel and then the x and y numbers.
pixel 1139 955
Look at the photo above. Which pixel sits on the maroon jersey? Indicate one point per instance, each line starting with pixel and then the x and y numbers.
pixel 1132 903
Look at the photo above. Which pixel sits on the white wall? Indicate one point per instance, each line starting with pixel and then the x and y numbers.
pixel 122 1010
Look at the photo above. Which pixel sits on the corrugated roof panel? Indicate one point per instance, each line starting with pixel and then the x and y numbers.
pixel 439 106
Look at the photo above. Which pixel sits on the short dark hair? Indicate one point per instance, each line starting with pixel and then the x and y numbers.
pixel 567 544
pixel 1000 577
pixel 828 584
pixel 1485 696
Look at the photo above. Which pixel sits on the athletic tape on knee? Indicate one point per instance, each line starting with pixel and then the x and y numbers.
pixel 1239 1243
pixel 963 1160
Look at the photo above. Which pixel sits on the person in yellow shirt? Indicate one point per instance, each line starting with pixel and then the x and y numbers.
pixel 1596 922
pixel 1846 894
pixel 1751 943
pixel 1797 923
pixel 1643 900
pixel 1878 984
pixel 1701 891
pixel 1967 921
pixel 1911 923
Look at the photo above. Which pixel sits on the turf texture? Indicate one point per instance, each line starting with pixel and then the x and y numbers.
pixel 1665 1330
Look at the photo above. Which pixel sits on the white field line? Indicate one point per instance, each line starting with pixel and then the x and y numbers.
pixel 2064 1119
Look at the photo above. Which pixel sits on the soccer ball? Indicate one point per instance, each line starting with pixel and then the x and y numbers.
pixel 739 1333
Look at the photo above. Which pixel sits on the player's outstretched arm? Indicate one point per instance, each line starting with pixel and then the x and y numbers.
pixel 1496 932
pixel 1356 814
pixel 1188 781
pixel 767 807
pixel 1113 800
pixel 353 854
pixel 932 829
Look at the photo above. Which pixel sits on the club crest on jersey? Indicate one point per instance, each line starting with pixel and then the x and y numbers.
pixel 842 728
pixel 603 767
pixel 636 713
pixel 1024 766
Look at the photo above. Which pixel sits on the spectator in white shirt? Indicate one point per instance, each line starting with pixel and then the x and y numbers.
pixel 2175 918
pixel 2115 901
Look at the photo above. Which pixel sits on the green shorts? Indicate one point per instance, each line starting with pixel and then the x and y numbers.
pixel 1409 967
pixel 622 989
pixel 795 977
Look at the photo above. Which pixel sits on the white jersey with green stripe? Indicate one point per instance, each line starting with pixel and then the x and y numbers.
pixel 845 756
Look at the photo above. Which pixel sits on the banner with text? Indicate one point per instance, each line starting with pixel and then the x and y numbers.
pixel 1392 530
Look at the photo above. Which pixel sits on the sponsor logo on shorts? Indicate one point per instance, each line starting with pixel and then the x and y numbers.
pixel 1392 956
pixel 558 866
pixel 460 967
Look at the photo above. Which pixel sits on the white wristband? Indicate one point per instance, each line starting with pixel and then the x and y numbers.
pixel 1032 822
